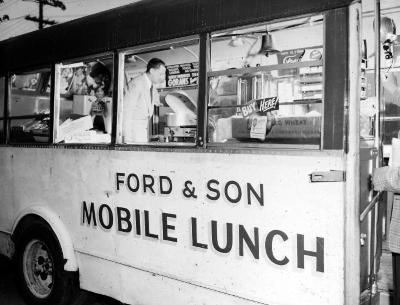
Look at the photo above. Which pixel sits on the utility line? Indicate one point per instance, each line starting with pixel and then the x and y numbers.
pixel 40 19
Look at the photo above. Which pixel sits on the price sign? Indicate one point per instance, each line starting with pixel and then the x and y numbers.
pixel 262 105
pixel 181 75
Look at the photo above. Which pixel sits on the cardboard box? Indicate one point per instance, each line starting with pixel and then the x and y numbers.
pixel 82 104
pixel 70 127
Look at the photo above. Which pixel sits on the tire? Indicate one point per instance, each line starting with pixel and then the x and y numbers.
pixel 41 278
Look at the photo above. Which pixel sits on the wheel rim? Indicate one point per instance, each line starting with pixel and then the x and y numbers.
pixel 38 268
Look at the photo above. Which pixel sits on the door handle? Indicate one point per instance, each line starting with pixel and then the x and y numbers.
pixel 328 176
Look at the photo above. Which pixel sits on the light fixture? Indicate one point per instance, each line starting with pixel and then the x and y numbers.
pixel 131 58
pixel 388 30
pixel 236 41
pixel 134 58
pixel 267 45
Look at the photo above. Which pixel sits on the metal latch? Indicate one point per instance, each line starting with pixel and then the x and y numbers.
pixel 363 238
pixel 328 176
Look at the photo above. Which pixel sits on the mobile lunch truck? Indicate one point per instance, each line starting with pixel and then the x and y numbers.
pixel 253 187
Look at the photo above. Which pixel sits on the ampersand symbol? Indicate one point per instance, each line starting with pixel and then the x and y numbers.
pixel 189 191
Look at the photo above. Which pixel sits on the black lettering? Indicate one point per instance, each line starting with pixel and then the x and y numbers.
pixel 216 191
pixel 268 247
pixel 162 190
pixel 214 233
pixel 167 227
pixel 147 226
pixel 109 216
pixel 254 247
pixel 194 235
pixel 91 215
pixel 120 181
pixel 148 184
pixel 239 192
pixel 259 197
pixel 319 254
pixel 124 219
pixel 128 180
pixel 137 222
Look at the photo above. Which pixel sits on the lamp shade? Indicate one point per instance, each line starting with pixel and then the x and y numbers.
pixel 388 29
pixel 267 45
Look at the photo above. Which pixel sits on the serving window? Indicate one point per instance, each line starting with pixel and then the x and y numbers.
pixel 83 98
pixel 159 88
pixel 29 107
pixel 266 84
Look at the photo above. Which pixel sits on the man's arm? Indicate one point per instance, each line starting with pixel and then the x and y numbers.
pixel 130 98
pixel 132 95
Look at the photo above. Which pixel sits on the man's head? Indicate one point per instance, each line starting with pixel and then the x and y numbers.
pixel 156 70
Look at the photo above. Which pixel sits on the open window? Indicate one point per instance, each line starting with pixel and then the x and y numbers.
pixel 266 84
pixel 29 107
pixel 161 108
pixel 83 98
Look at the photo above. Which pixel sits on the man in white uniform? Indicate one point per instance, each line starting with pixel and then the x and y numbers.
pixel 140 98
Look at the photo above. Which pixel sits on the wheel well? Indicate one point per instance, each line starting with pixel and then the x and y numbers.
pixel 28 221
pixel 45 216
pixel 28 230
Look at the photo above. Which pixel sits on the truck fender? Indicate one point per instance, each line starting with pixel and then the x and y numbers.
pixel 58 228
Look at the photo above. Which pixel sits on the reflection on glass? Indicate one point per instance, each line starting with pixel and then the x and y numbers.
pixel 266 84
pixel 25 82
pixel 160 102
pixel 85 114
pixel 29 98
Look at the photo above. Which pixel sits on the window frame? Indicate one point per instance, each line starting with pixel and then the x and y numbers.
pixel 147 48
pixel 335 69
pixel 57 97
pixel 37 92
pixel 269 146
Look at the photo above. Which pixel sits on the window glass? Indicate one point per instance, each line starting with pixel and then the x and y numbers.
pixel 266 84
pixel 160 94
pixel 389 75
pixel 368 101
pixel 29 107
pixel 2 91
pixel 85 101
pixel 25 82
pixel 2 134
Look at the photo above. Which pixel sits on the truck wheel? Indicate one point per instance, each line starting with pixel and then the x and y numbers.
pixel 41 278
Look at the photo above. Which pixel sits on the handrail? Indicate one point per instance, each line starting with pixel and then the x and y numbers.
pixel 370 206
